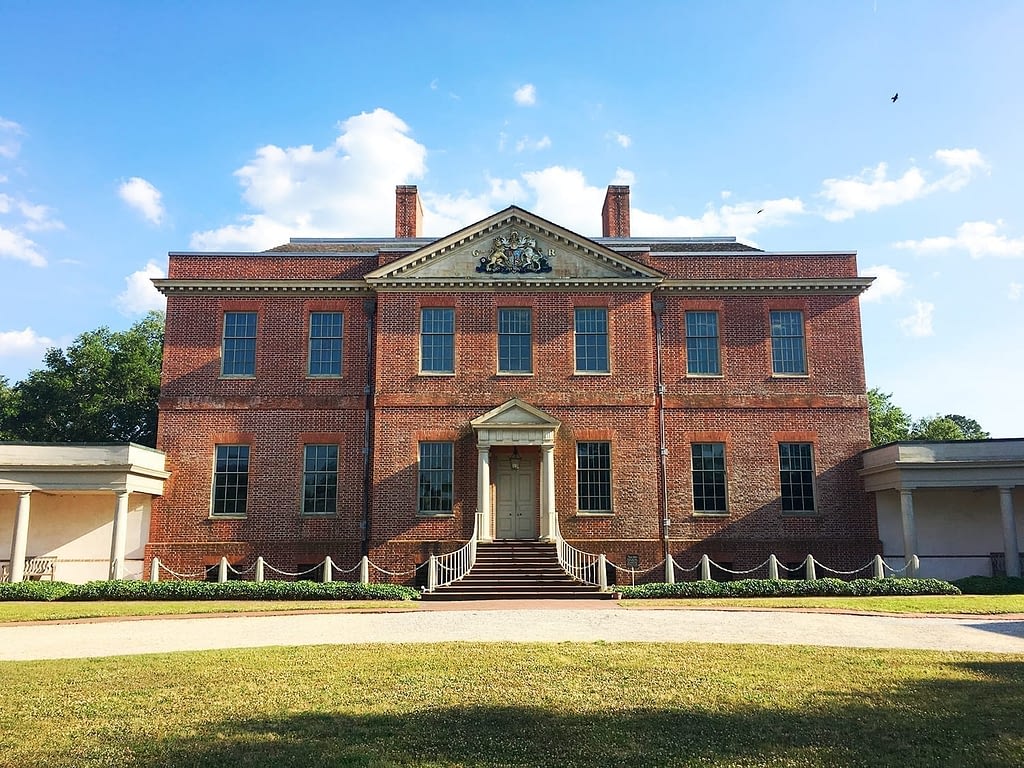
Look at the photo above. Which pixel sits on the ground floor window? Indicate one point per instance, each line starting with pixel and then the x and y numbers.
pixel 230 480
pixel 594 477
pixel 708 477
pixel 436 470
pixel 320 480
pixel 796 474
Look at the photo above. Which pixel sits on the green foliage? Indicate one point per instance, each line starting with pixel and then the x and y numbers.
pixel 35 591
pixel 239 590
pixel 889 423
pixel 102 388
pixel 791 588
pixel 991 585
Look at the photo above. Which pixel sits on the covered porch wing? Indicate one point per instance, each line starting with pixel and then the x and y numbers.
pixel 956 505
pixel 76 512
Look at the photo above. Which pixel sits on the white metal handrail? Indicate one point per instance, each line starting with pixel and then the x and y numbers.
pixel 449 568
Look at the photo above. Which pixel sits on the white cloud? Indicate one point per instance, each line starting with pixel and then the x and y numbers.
pixel 14 245
pixel 1016 291
pixel 889 283
pixel 920 323
pixel 525 95
pixel 978 238
pixel 526 143
pixel 346 189
pixel 621 139
pixel 872 189
pixel 139 295
pixel 26 343
pixel 10 144
pixel 144 198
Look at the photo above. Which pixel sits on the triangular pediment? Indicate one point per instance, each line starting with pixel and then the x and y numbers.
pixel 515 413
pixel 514 248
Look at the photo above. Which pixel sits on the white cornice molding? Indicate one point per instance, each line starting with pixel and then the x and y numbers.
pixel 294 287
pixel 847 285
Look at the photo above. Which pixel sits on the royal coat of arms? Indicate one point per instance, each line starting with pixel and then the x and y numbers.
pixel 513 253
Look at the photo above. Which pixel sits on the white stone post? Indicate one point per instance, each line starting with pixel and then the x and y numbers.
pixel 364 570
pixel 809 571
pixel 328 572
pixel 670 570
pixel 222 570
pixel 549 515
pixel 705 568
pixel 19 543
pixel 432 574
pixel 119 536
pixel 1009 531
pixel 259 568
pixel 879 567
pixel 483 491
pixel 773 567
pixel 154 570
pixel 909 529
pixel 602 572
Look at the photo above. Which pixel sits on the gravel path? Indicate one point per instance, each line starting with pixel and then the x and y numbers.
pixel 582 622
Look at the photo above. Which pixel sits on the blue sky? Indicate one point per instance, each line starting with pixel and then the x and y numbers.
pixel 131 129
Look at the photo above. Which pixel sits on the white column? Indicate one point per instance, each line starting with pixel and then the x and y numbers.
pixel 19 544
pixel 909 528
pixel 549 515
pixel 1009 532
pixel 119 537
pixel 483 492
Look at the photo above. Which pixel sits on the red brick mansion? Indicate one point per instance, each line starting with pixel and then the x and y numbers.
pixel 630 395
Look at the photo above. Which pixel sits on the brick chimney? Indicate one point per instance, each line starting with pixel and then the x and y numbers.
pixel 615 212
pixel 408 211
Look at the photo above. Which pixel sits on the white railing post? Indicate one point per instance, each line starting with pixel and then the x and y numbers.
pixel 364 570
pixel 602 572
pixel 432 574
pixel 809 568
pixel 705 568
pixel 154 569
pixel 914 567
pixel 670 570
pixel 328 572
pixel 773 567
pixel 222 570
pixel 259 568
pixel 879 567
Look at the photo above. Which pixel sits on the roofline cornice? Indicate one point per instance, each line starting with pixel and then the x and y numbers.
pixel 848 285
pixel 244 287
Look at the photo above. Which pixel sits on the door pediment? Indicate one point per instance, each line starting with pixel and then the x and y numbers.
pixel 514 248
pixel 515 423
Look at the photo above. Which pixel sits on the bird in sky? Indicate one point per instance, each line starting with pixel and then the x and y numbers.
pixel 895 96
pixel 761 211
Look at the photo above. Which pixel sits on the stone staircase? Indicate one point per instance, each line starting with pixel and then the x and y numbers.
pixel 516 570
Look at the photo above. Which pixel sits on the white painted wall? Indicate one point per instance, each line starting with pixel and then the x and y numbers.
pixel 957 529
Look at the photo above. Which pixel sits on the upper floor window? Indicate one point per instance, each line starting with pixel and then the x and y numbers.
pixel 788 343
pixel 796 476
pixel 320 480
pixel 436 477
pixel 708 477
pixel 591 340
pixel 230 480
pixel 702 357
pixel 594 476
pixel 325 343
pixel 238 351
pixel 437 340
pixel 515 340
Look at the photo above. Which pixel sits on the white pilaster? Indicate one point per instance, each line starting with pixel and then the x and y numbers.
pixel 909 528
pixel 19 543
pixel 549 515
pixel 1009 531
pixel 483 492
pixel 119 537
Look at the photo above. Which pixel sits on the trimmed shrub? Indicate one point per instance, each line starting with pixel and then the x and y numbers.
pixel 238 590
pixel 40 591
pixel 991 585
pixel 791 588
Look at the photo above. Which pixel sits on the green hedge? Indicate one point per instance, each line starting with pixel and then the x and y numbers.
pixel 202 590
pixel 791 588
pixel 991 585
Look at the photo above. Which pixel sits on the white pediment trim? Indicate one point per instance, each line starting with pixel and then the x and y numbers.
pixel 515 414
pixel 450 262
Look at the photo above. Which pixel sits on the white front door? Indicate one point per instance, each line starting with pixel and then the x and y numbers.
pixel 515 503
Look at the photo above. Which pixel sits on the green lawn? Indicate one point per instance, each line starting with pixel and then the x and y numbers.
pixel 474 705
pixel 965 604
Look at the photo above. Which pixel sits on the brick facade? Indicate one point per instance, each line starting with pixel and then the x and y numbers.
pixel 382 406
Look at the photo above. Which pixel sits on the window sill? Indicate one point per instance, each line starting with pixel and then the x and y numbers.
pixel 800 513
pixel 436 374
pixel 706 513
pixel 324 376
pixel 581 513
pixel 791 376
pixel 520 374
pixel 591 373
pixel 705 375
pixel 434 515
pixel 318 516
pixel 211 518
pixel 237 377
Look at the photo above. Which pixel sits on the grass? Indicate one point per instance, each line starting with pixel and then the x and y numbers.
pixel 925 604
pixel 471 705
pixel 55 611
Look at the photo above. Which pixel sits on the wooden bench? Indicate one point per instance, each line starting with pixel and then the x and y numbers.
pixel 36 569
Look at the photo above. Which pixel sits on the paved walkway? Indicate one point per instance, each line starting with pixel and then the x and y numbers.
pixel 538 621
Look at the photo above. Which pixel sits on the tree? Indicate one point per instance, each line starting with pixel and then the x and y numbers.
pixel 972 430
pixel 103 388
pixel 889 423
pixel 936 428
pixel 8 409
